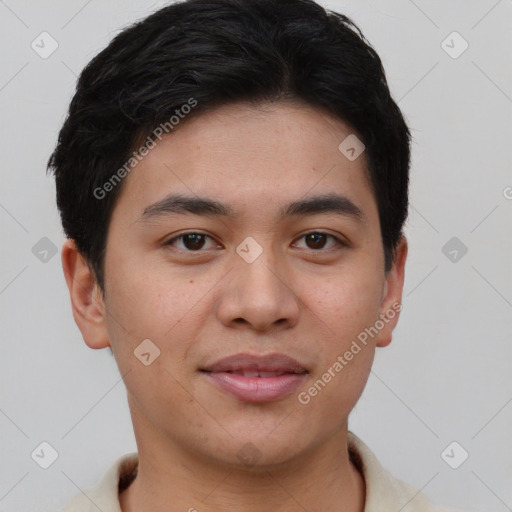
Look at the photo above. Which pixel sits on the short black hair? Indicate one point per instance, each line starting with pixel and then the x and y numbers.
pixel 212 53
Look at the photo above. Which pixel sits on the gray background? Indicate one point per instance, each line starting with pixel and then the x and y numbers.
pixel 447 374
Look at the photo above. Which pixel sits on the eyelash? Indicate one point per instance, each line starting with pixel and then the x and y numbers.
pixel 339 243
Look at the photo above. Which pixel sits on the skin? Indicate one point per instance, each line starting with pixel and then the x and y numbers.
pixel 304 300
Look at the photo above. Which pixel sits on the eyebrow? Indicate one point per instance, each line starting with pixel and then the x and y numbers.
pixel 327 203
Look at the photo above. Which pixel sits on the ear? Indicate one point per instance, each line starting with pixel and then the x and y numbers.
pixel 391 304
pixel 86 298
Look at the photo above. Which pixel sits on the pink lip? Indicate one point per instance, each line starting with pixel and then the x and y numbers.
pixel 290 375
pixel 257 389
pixel 269 363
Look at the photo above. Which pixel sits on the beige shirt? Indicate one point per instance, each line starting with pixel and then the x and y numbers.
pixel 384 493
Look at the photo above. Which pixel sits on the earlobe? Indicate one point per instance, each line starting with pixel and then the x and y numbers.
pixel 86 301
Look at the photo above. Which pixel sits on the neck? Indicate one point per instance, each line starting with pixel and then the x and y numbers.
pixel 172 478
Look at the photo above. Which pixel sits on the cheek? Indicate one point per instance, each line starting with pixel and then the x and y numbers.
pixel 156 393
pixel 150 302
pixel 345 302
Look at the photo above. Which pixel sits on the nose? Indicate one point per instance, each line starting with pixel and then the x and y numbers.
pixel 259 295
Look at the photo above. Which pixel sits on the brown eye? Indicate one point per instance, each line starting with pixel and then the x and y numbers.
pixel 193 241
pixel 317 240
pixel 190 241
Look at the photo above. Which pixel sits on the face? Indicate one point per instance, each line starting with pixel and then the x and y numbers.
pixel 248 275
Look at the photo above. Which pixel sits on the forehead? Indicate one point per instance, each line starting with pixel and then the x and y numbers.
pixel 253 159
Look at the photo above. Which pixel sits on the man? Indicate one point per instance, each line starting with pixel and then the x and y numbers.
pixel 232 179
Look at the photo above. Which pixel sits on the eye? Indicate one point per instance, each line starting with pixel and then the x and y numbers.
pixel 195 241
pixel 191 242
pixel 317 239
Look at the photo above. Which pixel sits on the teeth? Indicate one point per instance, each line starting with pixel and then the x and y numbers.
pixel 250 373
pixel 256 373
pixel 269 374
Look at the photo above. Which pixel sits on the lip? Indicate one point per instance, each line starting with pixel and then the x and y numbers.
pixel 278 375
pixel 275 362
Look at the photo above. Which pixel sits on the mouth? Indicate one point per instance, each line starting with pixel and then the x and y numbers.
pixel 252 378
pixel 261 364
pixel 257 373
